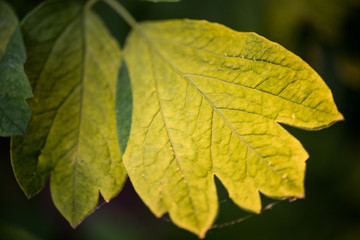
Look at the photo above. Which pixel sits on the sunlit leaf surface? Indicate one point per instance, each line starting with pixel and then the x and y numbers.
pixel 208 101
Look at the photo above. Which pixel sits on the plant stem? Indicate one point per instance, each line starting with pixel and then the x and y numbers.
pixel 122 12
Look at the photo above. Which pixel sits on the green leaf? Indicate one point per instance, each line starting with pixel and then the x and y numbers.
pixel 123 106
pixel 72 65
pixel 15 113
pixel 208 101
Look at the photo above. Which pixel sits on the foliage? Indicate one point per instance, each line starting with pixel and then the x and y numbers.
pixel 193 100
pixel 214 97
pixel 15 113
pixel 73 135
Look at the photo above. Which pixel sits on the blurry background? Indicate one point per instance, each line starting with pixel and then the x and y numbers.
pixel 326 34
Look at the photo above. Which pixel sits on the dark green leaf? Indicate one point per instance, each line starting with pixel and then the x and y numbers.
pixel 15 113
pixel 123 106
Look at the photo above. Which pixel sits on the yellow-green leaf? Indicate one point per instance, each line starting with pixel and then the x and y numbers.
pixel 15 113
pixel 208 101
pixel 72 65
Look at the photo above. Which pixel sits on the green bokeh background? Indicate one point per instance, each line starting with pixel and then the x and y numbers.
pixel 326 34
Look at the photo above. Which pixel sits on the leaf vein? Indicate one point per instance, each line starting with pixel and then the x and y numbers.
pixel 168 133
pixel 208 100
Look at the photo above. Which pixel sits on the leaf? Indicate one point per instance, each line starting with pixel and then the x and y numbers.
pixel 72 65
pixel 15 113
pixel 123 106
pixel 207 101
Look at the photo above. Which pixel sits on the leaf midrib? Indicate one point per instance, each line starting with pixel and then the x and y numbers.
pixel 171 142
pixel 245 86
pixel 79 86
pixel 82 76
pixel 148 41
pixel 228 56
pixel 51 51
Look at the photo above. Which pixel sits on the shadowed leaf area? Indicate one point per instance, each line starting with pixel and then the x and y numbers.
pixel 72 66
pixel 15 113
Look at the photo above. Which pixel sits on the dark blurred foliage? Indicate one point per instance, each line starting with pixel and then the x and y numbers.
pixel 326 34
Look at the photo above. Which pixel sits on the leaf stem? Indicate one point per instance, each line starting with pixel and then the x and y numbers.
pixel 122 12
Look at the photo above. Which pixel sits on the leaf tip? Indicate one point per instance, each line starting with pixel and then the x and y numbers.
pixel 202 234
pixel 29 193
pixel 74 225
pixel 28 196
pixel 74 222
pixel 257 211
pixel 341 117
pixel 158 214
